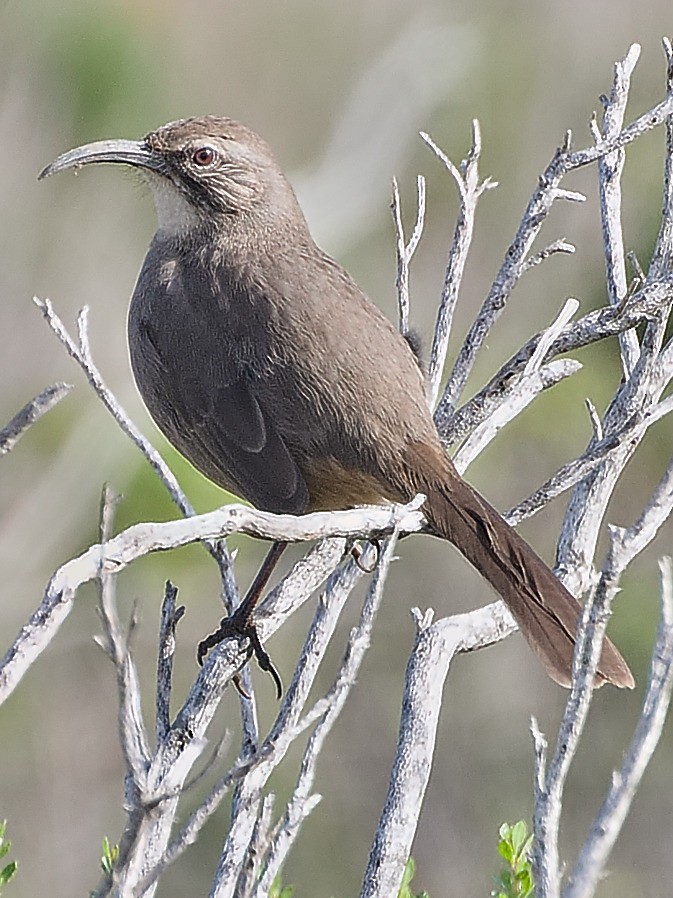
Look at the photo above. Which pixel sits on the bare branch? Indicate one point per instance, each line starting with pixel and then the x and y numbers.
pixel 12 432
pixel 647 304
pixel 303 801
pixel 610 169
pixel 537 211
pixel 600 450
pixel 470 189
pixel 558 246
pixel 517 397
pixel 142 539
pixel 405 251
pixel 605 829
pixel 133 735
pixel 170 617
pixel 435 646
pixel 624 545
pixel 660 265
pixel 548 338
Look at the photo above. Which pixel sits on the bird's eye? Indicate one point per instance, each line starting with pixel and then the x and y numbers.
pixel 203 156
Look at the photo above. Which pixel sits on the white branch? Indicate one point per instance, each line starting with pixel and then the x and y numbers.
pixel 470 189
pixel 406 250
pixel 143 539
pixel 607 826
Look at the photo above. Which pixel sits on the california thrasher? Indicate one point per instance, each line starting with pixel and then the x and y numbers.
pixel 269 369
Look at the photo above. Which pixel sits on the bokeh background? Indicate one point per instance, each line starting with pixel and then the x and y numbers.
pixel 340 91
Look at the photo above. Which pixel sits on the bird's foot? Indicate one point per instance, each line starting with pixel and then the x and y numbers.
pixel 358 553
pixel 241 625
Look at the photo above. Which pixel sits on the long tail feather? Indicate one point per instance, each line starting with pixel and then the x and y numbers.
pixel 546 612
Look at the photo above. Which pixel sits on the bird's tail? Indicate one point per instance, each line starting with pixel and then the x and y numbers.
pixel 547 614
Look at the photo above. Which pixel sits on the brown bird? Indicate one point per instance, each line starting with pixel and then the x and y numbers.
pixel 264 363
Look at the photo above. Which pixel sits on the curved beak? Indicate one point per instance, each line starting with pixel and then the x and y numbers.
pixel 127 152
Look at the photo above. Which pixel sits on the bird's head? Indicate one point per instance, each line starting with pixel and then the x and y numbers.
pixel 203 172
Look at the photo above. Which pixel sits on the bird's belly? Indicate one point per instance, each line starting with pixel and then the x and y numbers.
pixel 332 486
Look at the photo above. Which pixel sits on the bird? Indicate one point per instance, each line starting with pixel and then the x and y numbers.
pixel 269 369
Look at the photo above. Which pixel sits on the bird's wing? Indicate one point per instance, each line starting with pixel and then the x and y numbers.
pixel 236 437
pixel 208 406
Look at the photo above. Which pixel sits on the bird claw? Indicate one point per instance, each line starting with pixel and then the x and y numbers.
pixel 232 626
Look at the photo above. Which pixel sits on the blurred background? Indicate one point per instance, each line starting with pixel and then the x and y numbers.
pixel 340 91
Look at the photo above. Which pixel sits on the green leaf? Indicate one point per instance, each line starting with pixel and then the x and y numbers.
pixel 519 835
pixel 7 873
pixel 505 849
pixel 109 858
pixel 277 890
pixel 408 875
pixel 514 847
pixel 4 846
pixel 405 887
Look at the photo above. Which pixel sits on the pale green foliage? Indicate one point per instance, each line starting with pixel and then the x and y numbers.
pixel 109 857
pixel 8 871
pixel 516 880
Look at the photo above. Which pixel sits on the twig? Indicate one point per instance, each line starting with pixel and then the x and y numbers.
pixel 521 392
pixel 12 432
pixel 195 823
pixel 170 617
pixel 470 189
pixel 550 784
pixel 549 336
pixel 143 539
pixel 81 353
pixel 435 646
pixel 405 251
pixel 302 801
pixel 558 246
pixel 133 735
pixel 610 169
pixel 660 265
pixel 517 396
pixel 537 211
pixel 624 546
pixel 599 450
pixel 605 829
pixel 649 302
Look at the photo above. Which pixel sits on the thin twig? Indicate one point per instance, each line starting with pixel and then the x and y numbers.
pixel 598 452
pixel 302 801
pixel 610 169
pixel 558 246
pixel 142 539
pixel 537 211
pixel 660 265
pixel 12 432
pixel 170 616
pixel 470 190
pixel 515 399
pixel 590 865
pixel 405 251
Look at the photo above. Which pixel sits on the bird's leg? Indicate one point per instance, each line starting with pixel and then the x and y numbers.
pixel 241 622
